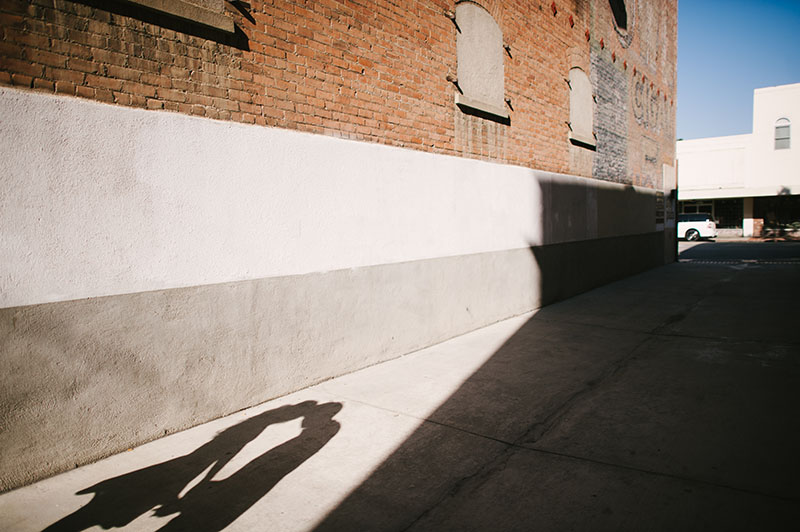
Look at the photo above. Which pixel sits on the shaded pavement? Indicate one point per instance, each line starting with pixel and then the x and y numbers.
pixel 666 401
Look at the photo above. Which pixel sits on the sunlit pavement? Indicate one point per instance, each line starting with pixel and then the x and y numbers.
pixel 667 401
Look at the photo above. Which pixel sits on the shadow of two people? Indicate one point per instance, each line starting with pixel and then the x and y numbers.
pixel 211 504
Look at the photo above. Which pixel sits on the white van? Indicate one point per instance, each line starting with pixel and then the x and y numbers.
pixel 696 226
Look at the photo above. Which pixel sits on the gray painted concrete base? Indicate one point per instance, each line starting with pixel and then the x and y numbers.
pixel 624 408
pixel 80 380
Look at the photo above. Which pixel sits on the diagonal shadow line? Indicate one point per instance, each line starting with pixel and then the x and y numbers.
pixel 514 391
pixel 210 505
pixel 564 269
pixel 417 462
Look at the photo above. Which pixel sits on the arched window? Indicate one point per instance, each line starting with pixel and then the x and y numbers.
pixel 479 47
pixel 620 13
pixel 581 109
pixel 783 134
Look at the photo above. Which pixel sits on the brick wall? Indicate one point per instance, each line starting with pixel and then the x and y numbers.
pixel 372 71
pixel 611 119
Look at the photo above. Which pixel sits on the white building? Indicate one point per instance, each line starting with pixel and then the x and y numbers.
pixel 747 182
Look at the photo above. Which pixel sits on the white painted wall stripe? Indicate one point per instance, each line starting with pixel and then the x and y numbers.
pixel 98 200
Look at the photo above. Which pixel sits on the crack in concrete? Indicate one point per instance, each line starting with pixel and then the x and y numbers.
pixel 675 318
pixel 662 474
pixel 654 332
pixel 540 430
pixel 498 463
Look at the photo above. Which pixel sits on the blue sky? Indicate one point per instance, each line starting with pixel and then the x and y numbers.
pixel 727 48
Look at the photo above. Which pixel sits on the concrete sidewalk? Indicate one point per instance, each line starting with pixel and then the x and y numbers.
pixel 667 401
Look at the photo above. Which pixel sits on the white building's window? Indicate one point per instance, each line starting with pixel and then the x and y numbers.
pixel 783 134
pixel 479 48
pixel 581 109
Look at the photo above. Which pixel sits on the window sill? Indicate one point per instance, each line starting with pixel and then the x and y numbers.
pixel 467 104
pixel 584 142
pixel 190 12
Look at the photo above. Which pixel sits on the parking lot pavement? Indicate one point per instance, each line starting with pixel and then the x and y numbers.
pixel 738 250
pixel 666 401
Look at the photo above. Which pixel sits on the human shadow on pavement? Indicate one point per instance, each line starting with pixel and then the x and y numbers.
pixel 211 504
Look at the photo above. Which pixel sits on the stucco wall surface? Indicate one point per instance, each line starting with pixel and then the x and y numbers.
pixel 777 169
pixel 712 167
pixel 83 379
pixel 159 270
pixel 194 220
pixel 107 200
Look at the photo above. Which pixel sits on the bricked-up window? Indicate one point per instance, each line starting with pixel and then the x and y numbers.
pixel 479 47
pixel 620 13
pixel 581 109
pixel 783 137
pixel 209 13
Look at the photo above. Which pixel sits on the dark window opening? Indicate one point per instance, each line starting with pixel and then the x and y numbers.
pixel 726 212
pixel 778 211
pixel 692 207
pixel 729 213
pixel 620 13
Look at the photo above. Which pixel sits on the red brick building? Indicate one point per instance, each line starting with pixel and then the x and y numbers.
pixel 202 195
